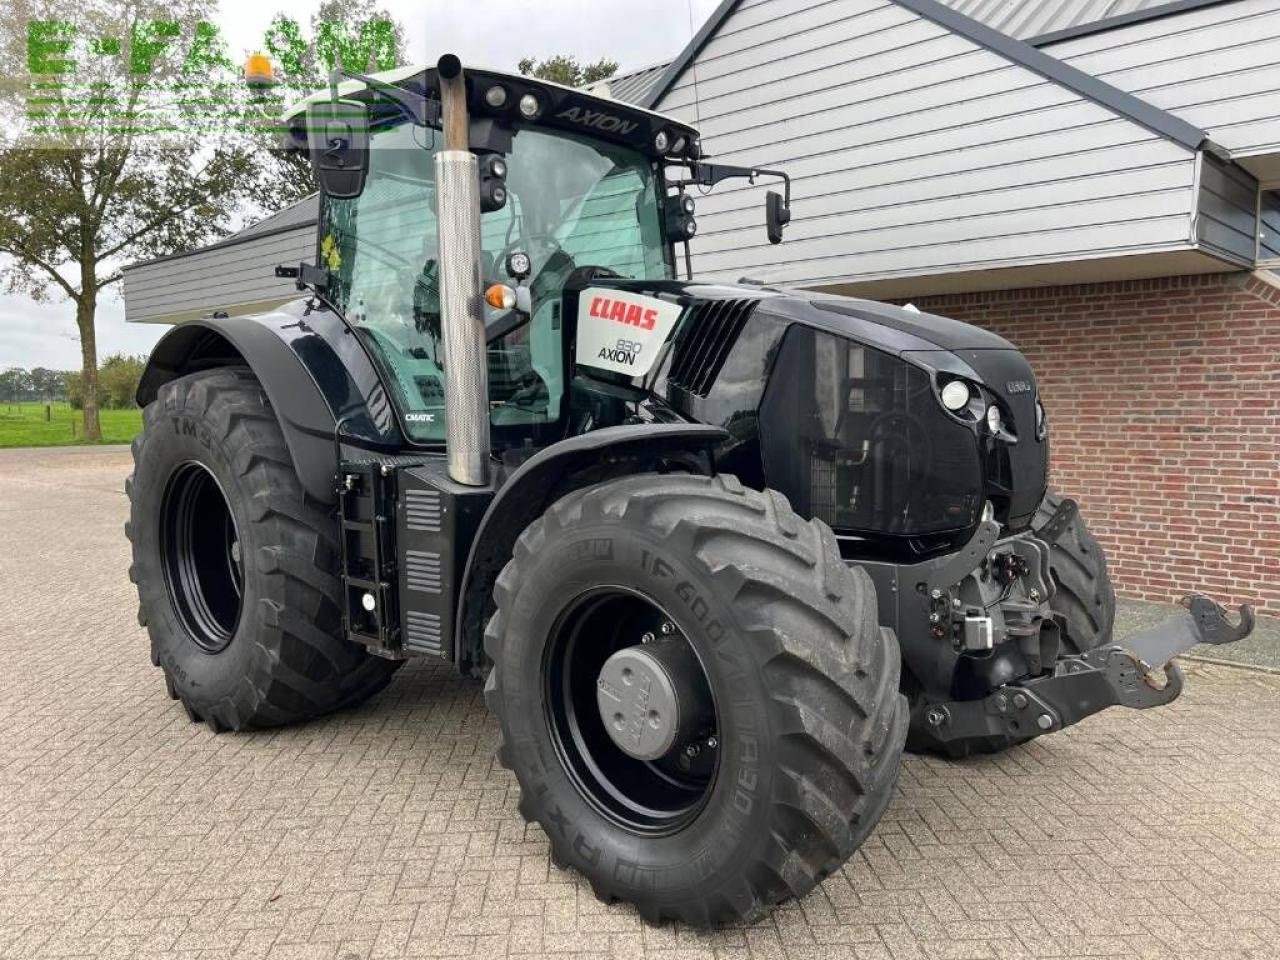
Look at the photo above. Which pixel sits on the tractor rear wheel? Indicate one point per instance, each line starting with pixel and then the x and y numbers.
pixel 236 567
pixel 694 693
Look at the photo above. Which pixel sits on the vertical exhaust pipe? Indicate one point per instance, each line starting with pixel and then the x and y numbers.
pixel 466 356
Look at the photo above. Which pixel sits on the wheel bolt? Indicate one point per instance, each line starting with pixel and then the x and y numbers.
pixel 712 742
pixel 1019 700
pixel 1044 721
pixel 667 628
pixel 647 638
pixel 692 750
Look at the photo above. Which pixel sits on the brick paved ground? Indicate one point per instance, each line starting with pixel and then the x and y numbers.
pixel 127 831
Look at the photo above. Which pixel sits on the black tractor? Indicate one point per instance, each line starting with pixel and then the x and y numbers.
pixel 717 551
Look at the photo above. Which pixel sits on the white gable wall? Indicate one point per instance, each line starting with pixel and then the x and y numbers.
pixel 1217 67
pixel 914 151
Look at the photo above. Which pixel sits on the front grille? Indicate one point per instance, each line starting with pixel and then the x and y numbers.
pixel 707 334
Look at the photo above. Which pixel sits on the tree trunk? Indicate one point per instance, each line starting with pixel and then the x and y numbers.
pixel 86 308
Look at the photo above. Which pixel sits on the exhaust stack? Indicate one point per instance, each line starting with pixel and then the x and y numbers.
pixel 466 357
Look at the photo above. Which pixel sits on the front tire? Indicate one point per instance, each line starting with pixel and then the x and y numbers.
pixel 1084 596
pixel 236 566
pixel 807 727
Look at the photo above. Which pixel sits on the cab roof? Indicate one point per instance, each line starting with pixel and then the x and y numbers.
pixel 562 107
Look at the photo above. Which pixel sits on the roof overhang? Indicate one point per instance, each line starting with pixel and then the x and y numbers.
pixel 1140 266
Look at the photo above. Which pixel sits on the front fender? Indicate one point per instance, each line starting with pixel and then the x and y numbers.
pixel 313 370
pixel 546 477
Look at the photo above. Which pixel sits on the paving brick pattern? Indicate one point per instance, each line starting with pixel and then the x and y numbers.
pixel 127 831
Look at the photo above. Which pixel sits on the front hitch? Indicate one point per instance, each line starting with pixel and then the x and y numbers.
pixel 1137 672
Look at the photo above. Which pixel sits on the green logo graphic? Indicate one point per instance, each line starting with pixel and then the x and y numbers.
pixel 164 78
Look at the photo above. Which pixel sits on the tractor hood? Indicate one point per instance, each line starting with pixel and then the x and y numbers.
pixel 837 402
pixel 887 327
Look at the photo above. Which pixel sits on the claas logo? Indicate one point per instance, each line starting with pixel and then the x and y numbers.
pixel 632 314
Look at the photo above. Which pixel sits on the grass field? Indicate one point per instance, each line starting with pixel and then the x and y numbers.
pixel 24 425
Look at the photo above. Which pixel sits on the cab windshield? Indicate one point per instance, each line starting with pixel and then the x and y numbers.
pixel 572 202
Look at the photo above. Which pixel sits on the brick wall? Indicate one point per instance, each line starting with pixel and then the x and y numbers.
pixel 1163 399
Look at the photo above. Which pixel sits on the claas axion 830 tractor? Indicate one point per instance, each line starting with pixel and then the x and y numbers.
pixel 718 551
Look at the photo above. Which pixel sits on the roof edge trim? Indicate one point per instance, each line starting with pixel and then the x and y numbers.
pixel 686 56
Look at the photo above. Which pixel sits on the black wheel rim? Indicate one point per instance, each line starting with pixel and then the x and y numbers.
pixel 203 566
pixel 653 798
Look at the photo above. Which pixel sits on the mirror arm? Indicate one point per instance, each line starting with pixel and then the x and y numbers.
pixel 416 107
pixel 710 174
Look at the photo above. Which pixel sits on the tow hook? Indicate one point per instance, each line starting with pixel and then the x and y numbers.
pixel 1118 674
pixel 1204 622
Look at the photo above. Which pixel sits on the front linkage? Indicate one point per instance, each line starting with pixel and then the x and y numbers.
pixel 1137 672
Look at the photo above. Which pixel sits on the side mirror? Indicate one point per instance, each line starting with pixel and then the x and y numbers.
pixel 776 215
pixel 338 142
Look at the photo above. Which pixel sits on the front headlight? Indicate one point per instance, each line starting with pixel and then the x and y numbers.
pixel 955 395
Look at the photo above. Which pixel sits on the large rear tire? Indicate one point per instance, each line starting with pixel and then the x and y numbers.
pixel 236 566
pixel 801 753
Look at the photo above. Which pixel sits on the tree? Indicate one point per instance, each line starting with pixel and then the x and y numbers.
pixel 75 391
pixel 356 35
pixel 118 163
pixel 46 383
pixel 118 379
pixel 565 69
pixel 15 385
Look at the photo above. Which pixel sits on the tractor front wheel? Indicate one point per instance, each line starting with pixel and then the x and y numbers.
pixel 694 693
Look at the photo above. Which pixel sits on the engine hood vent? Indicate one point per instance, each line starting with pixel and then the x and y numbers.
pixel 707 332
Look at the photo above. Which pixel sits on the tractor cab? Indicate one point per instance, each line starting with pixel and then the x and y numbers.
pixel 571 187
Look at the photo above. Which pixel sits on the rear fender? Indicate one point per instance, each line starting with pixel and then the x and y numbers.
pixel 313 370
pixel 546 477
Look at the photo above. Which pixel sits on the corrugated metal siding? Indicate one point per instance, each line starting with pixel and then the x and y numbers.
pixel 1031 18
pixel 236 278
pixel 631 87
pixel 913 151
pixel 1217 67
pixel 304 211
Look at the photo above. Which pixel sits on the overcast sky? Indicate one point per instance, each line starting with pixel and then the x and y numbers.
pixel 497 33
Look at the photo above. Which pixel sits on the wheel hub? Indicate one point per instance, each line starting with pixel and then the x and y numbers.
pixel 201 556
pixel 630 720
pixel 652 698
